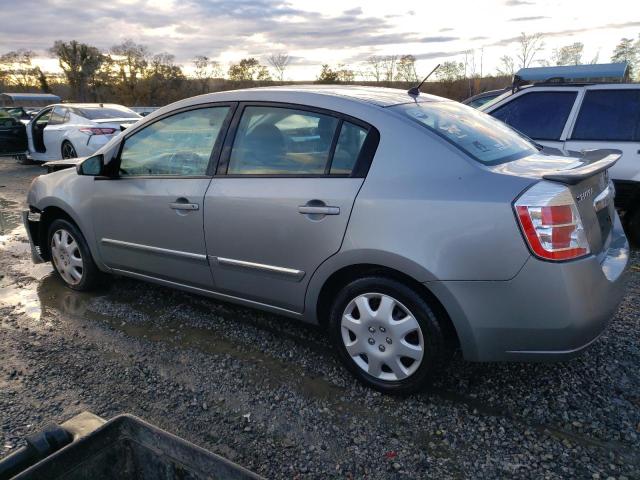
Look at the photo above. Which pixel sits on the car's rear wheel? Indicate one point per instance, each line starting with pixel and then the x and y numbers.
pixel 70 256
pixel 386 334
pixel 68 150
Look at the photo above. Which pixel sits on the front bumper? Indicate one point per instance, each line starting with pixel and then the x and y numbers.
pixel 549 311
pixel 31 222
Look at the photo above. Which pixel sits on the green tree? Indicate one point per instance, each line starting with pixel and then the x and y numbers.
pixel 569 54
pixel 628 51
pixel 327 75
pixel 406 69
pixel 130 61
pixel 248 69
pixel 450 71
pixel 79 62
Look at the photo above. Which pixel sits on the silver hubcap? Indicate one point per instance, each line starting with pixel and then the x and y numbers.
pixel 66 256
pixel 382 336
pixel 68 151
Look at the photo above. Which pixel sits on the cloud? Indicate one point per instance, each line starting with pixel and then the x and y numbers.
pixel 527 19
pixel 516 3
pixel 478 38
pixel 446 29
pixel 354 11
pixel 439 39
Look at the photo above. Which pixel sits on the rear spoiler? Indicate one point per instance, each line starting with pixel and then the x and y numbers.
pixel 596 161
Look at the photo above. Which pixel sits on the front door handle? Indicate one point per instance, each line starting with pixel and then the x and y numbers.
pixel 184 206
pixel 318 210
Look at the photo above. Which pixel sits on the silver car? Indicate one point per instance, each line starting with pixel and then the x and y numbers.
pixel 406 225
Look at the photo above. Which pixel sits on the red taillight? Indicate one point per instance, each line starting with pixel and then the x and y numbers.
pixel 98 131
pixel 551 222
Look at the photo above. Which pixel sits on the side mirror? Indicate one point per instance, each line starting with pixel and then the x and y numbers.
pixel 92 166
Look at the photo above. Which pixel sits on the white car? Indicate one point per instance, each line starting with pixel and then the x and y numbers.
pixel 571 117
pixel 70 130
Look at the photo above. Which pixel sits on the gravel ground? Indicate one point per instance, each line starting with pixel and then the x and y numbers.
pixel 267 392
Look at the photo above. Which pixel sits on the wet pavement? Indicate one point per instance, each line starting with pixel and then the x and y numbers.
pixel 268 393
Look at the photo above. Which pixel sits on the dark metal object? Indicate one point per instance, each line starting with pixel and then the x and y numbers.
pixel 125 447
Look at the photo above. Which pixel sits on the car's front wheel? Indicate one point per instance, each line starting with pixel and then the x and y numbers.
pixel 386 334
pixel 70 256
pixel 68 150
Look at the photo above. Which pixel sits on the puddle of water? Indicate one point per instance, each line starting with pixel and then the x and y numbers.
pixel 9 216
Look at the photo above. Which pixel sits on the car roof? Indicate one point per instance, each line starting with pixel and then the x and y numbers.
pixel 88 105
pixel 379 96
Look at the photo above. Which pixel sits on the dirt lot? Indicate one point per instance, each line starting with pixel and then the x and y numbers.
pixel 268 393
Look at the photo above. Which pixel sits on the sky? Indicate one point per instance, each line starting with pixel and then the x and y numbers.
pixel 320 31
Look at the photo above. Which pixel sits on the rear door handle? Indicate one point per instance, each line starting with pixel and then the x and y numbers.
pixel 184 206
pixel 310 210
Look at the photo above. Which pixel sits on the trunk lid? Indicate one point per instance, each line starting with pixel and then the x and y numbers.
pixel 587 179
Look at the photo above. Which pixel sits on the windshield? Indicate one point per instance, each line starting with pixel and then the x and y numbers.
pixel 94 113
pixel 494 100
pixel 484 138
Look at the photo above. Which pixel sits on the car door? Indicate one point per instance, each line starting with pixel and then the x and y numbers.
pixel 280 202
pixel 53 133
pixel 540 114
pixel 610 118
pixel 13 136
pixel 149 219
pixel 35 134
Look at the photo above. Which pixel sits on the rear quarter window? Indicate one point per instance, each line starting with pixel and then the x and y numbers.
pixel 539 115
pixel 612 115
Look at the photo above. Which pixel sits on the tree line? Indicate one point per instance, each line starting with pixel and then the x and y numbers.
pixel 131 74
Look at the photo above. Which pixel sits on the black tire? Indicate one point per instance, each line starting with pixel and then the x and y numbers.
pixel 632 224
pixel 434 351
pixel 22 159
pixel 91 276
pixel 67 150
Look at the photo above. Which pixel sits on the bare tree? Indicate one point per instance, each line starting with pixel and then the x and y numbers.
pixel 389 67
pixel 530 45
pixel 205 70
pixel 279 62
pixel 506 66
pixel 375 69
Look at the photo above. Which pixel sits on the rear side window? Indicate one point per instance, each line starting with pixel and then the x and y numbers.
pixel 479 135
pixel 609 115
pixel 348 148
pixel 539 115
pixel 286 141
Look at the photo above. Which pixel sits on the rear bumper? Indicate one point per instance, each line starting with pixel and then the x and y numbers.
pixel 549 311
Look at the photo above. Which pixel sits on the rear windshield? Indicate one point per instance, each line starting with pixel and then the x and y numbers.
pixel 95 113
pixel 484 138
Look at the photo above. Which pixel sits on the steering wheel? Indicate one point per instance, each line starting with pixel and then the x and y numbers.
pixel 183 163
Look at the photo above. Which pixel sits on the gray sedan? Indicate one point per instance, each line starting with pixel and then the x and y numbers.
pixel 405 225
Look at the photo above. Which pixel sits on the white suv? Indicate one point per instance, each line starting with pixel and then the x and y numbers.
pixel 576 117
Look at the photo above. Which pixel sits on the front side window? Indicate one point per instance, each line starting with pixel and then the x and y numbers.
pixel 177 145
pixel 282 141
pixel 482 137
pixel 539 115
pixel 612 115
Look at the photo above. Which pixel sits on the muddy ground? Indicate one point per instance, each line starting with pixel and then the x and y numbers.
pixel 267 392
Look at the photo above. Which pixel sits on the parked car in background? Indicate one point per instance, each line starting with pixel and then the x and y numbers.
pixel 13 135
pixel 402 224
pixel 573 117
pixel 19 113
pixel 482 98
pixel 70 130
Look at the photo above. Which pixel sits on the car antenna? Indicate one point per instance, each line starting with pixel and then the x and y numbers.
pixel 415 91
